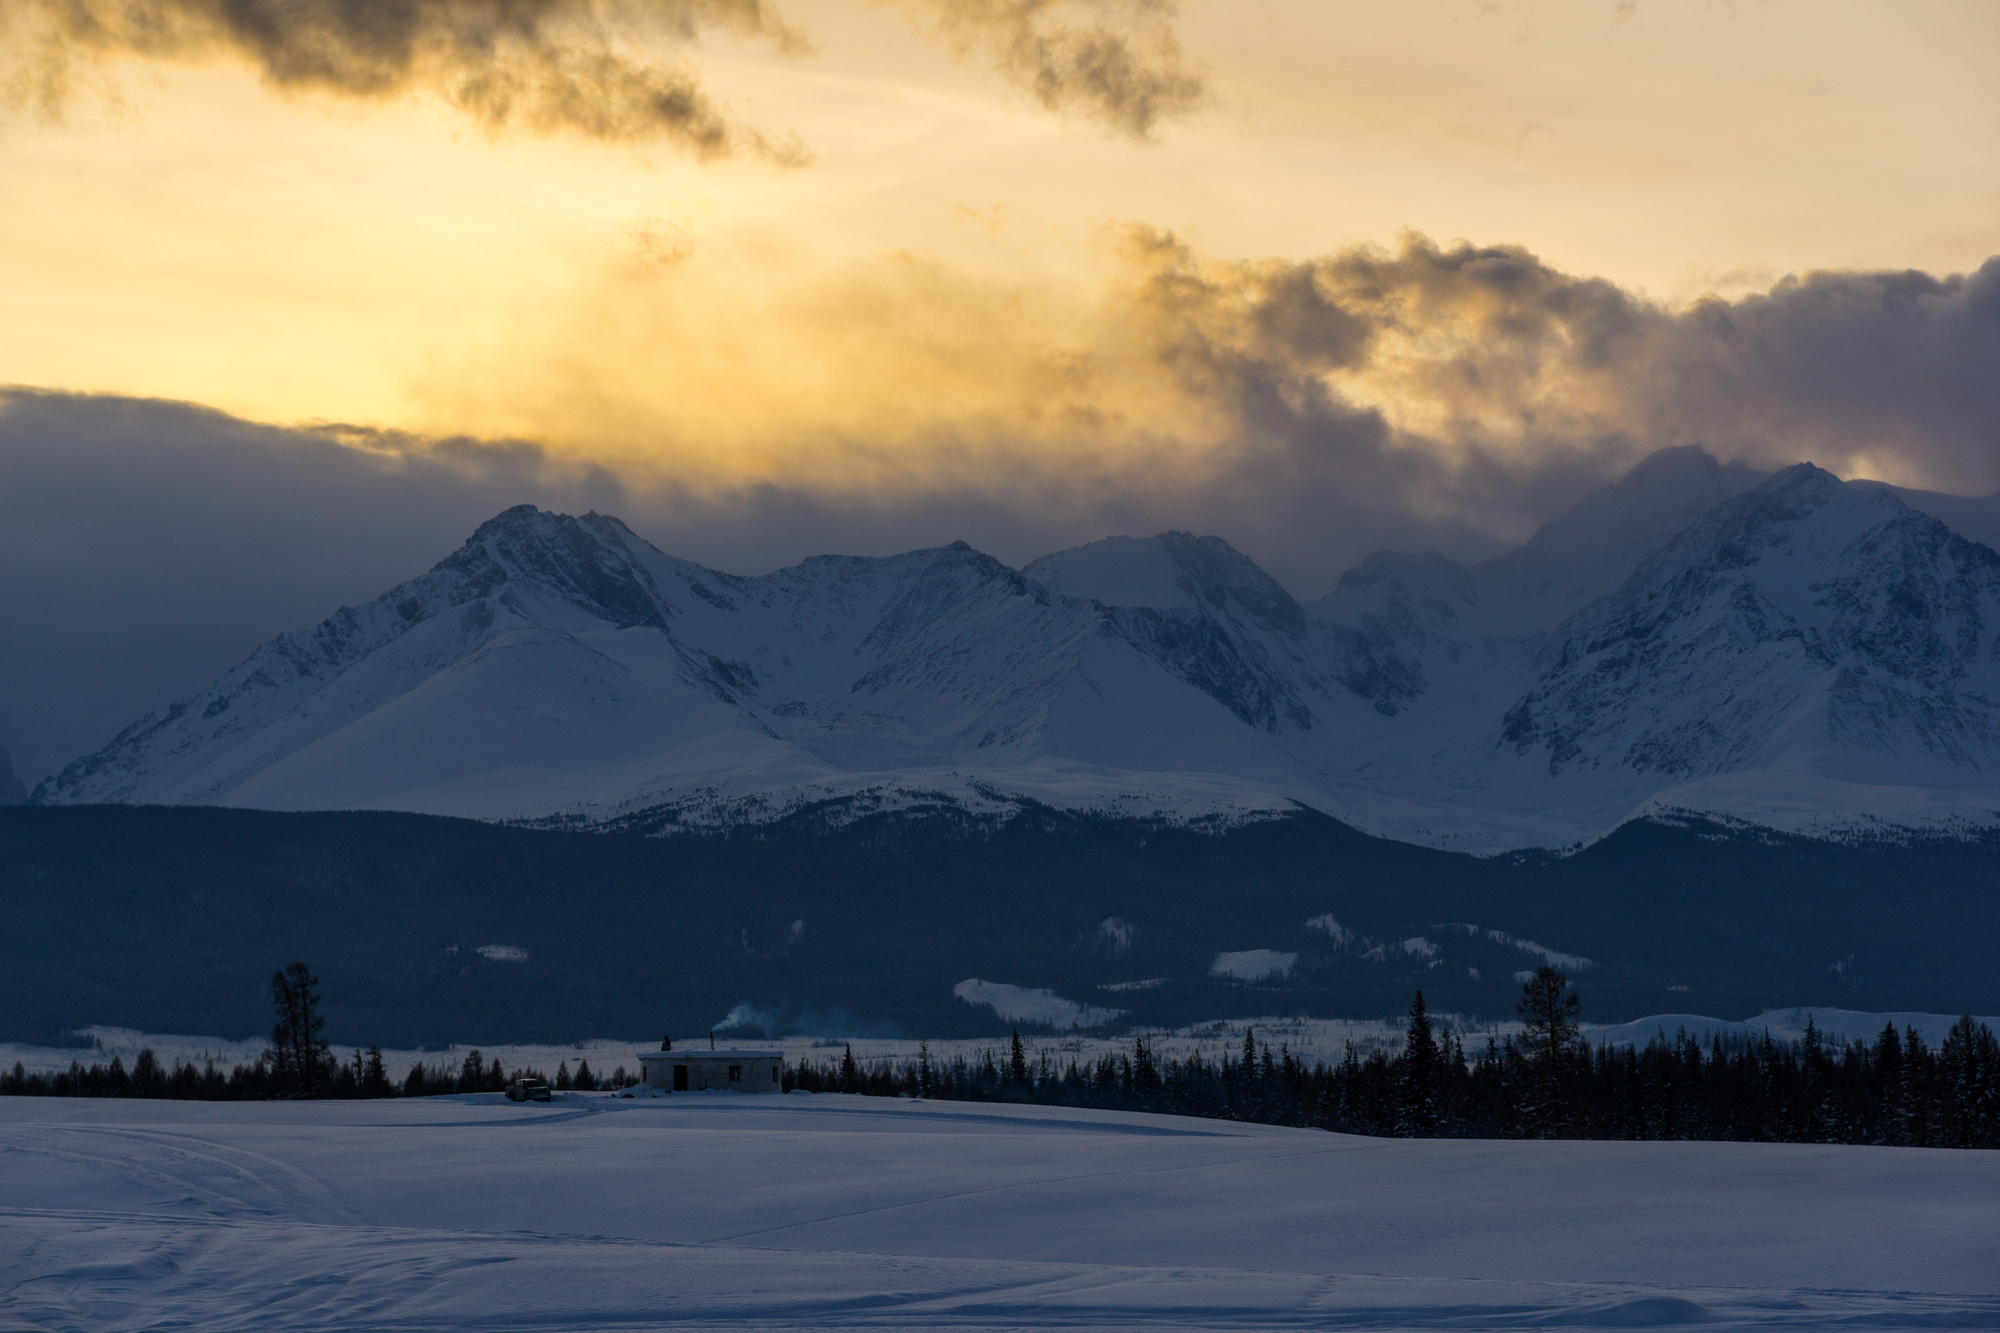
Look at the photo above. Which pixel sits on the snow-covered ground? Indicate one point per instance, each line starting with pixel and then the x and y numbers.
pixel 838 1212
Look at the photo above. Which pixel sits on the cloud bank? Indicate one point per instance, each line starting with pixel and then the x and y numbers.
pixel 1430 396
pixel 1447 395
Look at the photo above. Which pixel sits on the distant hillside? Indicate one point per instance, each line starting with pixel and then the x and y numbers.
pixel 429 929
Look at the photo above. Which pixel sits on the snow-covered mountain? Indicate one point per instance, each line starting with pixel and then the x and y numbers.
pixel 1787 649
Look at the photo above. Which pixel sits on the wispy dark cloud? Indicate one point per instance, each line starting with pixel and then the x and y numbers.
pixel 577 65
pixel 1119 62
pixel 541 65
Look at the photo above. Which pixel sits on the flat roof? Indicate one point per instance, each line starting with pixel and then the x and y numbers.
pixel 725 1054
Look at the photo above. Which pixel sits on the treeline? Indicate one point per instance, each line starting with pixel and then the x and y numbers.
pixel 298 1064
pixel 362 1076
pixel 1545 1083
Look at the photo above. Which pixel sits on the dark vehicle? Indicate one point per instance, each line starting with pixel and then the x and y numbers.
pixel 528 1090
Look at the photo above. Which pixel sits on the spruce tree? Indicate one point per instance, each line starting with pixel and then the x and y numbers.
pixel 1913 1123
pixel 1889 1087
pixel 1961 1075
pixel 374 1077
pixel 1145 1072
pixel 850 1074
pixel 1017 1061
pixel 1418 1118
pixel 1816 1111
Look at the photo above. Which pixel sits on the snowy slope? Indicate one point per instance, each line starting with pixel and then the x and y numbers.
pixel 561 666
pixel 710 1210
pixel 1804 624
pixel 1787 650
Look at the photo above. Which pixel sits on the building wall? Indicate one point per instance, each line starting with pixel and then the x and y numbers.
pixel 759 1072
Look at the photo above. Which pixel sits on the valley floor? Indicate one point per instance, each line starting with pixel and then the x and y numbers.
pixel 838 1212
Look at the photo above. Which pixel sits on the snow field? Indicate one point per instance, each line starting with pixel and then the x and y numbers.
pixel 835 1212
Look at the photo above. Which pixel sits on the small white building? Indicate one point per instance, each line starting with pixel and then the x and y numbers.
pixel 714 1071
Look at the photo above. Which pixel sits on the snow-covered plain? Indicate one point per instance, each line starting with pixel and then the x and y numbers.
pixel 839 1212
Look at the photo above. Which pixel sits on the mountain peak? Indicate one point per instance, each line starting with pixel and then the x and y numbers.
pixel 591 563
pixel 1591 549
pixel 1421 573
pixel 1174 570
pixel 1812 484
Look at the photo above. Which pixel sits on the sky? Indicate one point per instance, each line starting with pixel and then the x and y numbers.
pixel 294 292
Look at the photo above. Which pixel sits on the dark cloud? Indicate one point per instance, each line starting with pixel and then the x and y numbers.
pixel 541 65
pixel 567 65
pixel 1115 61
pixel 147 545
pixel 1894 371
pixel 1496 369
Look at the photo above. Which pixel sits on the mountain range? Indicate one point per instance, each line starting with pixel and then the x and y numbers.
pixel 1784 650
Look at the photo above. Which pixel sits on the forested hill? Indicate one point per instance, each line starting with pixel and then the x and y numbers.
pixel 427 929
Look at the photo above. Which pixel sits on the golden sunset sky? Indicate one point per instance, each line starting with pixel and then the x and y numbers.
pixel 934 272
pixel 295 293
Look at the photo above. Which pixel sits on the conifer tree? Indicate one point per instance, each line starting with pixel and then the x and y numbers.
pixel 1813 1093
pixel 1913 1121
pixel 374 1076
pixel 1419 1118
pixel 1017 1061
pixel 1145 1073
pixel 1965 1075
pixel 1889 1082
pixel 850 1075
pixel 585 1081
